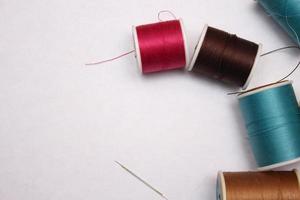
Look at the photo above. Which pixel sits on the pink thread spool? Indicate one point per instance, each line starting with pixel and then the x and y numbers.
pixel 160 46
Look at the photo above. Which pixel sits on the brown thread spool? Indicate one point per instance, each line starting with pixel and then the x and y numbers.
pixel 271 185
pixel 225 57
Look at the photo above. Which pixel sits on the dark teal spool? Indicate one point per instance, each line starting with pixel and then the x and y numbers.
pixel 272 118
pixel 286 13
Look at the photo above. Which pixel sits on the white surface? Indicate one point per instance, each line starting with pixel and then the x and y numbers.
pixel 63 124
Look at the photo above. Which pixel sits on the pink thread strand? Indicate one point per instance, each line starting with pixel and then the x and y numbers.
pixel 111 59
pixel 165 11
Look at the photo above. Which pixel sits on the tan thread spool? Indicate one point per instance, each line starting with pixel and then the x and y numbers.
pixel 271 185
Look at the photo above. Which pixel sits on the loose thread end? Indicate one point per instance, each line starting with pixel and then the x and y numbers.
pixel 233 93
pixel 280 49
pixel 165 11
pixel 111 59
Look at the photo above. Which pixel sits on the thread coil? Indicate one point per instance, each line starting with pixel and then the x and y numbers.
pixel 160 46
pixel 286 13
pixel 272 119
pixel 272 185
pixel 225 57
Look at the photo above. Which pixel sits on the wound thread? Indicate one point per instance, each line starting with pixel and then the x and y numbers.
pixel 287 14
pixel 160 46
pixel 225 57
pixel 272 185
pixel 272 118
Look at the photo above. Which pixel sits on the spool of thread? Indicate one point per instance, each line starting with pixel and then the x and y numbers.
pixel 272 118
pixel 225 57
pixel 160 46
pixel 272 185
pixel 286 13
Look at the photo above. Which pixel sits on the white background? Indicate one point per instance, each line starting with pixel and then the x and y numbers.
pixel 63 124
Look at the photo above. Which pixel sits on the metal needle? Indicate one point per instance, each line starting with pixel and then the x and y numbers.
pixel 141 180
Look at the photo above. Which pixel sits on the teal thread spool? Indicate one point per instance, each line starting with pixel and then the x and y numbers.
pixel 272 118
pixel 286 13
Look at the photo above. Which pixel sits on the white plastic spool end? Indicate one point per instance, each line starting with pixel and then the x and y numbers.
pixel 259 50
pixel 221 187
pixel 137 48
pixel 198 48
